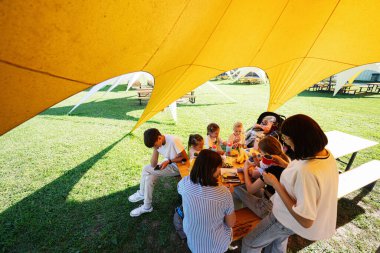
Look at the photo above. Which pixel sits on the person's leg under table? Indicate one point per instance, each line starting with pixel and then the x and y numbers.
pixel 269 233
pixel 149 177
pixel 152 175
pixel 259 205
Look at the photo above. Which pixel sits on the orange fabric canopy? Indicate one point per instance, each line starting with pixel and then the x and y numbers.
pixel 51 50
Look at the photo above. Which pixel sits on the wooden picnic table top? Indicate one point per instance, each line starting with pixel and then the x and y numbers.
pixel 341 144
pixel 184 169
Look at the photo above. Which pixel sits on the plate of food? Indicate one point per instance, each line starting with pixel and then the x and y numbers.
pixel 230 177
pixel 227 165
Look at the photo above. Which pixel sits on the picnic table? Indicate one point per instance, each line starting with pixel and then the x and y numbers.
pixel 371 87
pixel 184 169
pixel 145 94
pixel 341 144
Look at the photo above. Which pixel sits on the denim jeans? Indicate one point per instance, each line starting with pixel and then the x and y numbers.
pixel 261 206
pixel 268 234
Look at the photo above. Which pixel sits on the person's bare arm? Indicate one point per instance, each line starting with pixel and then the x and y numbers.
pixel 177 159
pixel 288 201
pixel 230 219
pixel 180 156
pixel 251 187
pixel 154 158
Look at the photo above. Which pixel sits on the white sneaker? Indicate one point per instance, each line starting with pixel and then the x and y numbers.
pixel 140 210
pixel 135 197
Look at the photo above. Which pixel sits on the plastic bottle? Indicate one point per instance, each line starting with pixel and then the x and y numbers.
pixel 228 149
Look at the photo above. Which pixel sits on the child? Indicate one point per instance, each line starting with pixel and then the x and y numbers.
pixel 237 139
pixel 172 149
pixel 259 131
pixel 195 145
pixel 213 138
pixel 256 195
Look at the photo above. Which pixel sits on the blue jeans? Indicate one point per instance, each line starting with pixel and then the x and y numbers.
pixel 268 234
pixel 259 205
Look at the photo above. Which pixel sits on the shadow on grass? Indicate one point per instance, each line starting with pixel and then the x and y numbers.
pixel 46 221
pixel 348 210
pixel 326 94
pixel 117 108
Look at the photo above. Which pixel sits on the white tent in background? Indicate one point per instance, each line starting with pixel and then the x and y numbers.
pixel 349 75
pixel 144 78
pixel 244 71
pixel 130 79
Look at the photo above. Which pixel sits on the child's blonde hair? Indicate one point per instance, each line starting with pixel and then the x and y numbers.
pixel 237 124
pixel 272 146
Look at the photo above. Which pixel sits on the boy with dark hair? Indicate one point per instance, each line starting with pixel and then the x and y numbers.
pixel 173 151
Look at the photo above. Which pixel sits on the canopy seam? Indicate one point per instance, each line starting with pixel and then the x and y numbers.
pixel 167 35
pixel 44 72
pixel 303 58
pixel 270 32
pixel 200 50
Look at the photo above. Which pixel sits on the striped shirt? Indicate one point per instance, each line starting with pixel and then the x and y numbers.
pixel 204 208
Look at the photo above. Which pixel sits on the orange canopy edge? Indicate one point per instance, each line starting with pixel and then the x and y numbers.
pixel 51 50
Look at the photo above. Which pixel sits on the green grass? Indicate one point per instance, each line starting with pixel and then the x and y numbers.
pixel 64 180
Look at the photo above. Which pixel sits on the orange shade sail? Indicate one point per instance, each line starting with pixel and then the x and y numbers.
pixel 50 50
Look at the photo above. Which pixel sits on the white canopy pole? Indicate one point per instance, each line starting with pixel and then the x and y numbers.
pixel 93 90
pixel 122 79
pixel 130 78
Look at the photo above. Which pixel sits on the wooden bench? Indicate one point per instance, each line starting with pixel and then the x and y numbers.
pixel 246 221
pixel 144 93
pixel 349 89
pixel 359 177
pixel 190 96
pixel 315 87
pixel 373 87
pixel 349 181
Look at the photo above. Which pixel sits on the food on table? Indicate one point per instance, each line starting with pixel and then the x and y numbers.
pixel 242 156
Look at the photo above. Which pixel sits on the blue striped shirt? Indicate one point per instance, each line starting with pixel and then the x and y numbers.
pixel 204 208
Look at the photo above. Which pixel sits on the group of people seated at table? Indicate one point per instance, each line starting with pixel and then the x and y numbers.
pixel 291 184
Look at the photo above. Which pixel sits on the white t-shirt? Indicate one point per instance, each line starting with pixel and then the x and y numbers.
pixel 239 140
pixel 173 146
pixel 314 185
pixel 213 141
pixel 192 151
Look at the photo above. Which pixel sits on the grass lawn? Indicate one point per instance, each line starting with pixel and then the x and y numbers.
pixel 64 180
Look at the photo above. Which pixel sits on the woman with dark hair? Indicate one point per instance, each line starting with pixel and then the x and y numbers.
pixel 208 207
pixel 305 202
